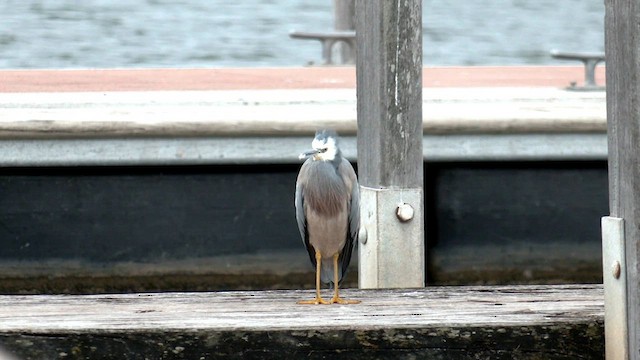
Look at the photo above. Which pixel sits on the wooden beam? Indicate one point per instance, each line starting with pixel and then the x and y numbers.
pixel 521 322
pixel 622 36
pixel 389 92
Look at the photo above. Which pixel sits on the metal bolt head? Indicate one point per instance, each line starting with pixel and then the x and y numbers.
pixel 362 235
pixel 404 212
pixel 616 269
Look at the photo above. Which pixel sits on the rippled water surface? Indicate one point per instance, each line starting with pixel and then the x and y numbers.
pixel 222 33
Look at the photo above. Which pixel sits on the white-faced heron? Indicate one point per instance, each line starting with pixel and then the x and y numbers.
pixel 328 212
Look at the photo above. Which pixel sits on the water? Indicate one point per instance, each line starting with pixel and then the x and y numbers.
pixel 222 33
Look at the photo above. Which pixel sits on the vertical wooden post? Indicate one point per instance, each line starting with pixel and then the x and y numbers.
pixel 390 160
pixel 622 39
pixel 344 20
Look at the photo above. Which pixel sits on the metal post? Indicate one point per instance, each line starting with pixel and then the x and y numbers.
pixel 390 161
pixel 622 36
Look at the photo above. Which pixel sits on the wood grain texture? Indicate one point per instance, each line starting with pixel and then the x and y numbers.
pixel 389 78
pixel 525 322
pixel 623 109
pixel 389 104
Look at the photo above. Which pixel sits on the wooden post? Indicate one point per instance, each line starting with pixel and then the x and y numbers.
pixel 622 36
pixel 390 160
pixel 344 21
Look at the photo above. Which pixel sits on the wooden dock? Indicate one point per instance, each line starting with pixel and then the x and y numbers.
pixel 74 124
pixel 507 322
pixel 177 117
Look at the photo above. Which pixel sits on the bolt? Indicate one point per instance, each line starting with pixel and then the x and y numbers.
pixel 616 270
pixel 362 235
pixel 404 212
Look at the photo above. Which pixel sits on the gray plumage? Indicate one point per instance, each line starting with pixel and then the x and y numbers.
pixel 327 202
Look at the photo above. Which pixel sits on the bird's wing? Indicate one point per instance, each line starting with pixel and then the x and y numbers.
pixel 301 217
pixel 354 216
pixel 354 211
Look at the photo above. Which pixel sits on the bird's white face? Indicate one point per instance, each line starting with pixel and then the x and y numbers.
pixel 327 149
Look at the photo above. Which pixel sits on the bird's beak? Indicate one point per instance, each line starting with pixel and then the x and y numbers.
pixel 307 154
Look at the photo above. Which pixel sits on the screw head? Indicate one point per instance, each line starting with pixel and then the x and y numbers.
pixel 362 235
pixel 616 270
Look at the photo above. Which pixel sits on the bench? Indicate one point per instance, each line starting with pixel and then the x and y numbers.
pixel 590 61
pixel 328 39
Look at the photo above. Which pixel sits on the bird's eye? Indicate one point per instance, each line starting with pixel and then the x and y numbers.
pixel 323 150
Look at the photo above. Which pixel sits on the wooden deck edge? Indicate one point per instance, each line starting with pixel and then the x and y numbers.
pixel 579 340
pixel 524 322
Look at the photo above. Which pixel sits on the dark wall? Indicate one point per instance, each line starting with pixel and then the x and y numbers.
pixel 127 214
pixel 478 215
pixel 494 203
pixel 496 223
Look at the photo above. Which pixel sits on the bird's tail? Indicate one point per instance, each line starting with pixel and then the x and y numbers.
pixel 326 273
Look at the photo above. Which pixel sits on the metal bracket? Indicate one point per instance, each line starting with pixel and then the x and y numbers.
pixel 590 61
pixel 391 245
pixel 328 39
pixel 615 288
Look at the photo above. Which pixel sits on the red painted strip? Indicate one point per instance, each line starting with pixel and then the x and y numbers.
pixel 276 78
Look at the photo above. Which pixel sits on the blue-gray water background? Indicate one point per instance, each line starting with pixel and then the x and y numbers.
pixel 223 33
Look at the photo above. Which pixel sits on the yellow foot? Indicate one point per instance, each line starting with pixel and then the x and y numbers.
pixel 339 300
pixel 316 301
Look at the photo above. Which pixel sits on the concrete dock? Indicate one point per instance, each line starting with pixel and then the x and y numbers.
pixel 202 116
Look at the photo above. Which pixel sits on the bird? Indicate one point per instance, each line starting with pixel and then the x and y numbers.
pixel 327 205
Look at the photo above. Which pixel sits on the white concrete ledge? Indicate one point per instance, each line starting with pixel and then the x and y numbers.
pixel 277 150
pixel 288 112
pixel 273 126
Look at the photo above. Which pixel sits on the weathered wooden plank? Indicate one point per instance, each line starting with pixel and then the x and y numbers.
pixel 623 109
pixel 277 310
pixel 528 322
pixel 389 77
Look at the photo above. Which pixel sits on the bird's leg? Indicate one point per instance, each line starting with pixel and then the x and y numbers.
pixel 318 300
pixel 336 298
